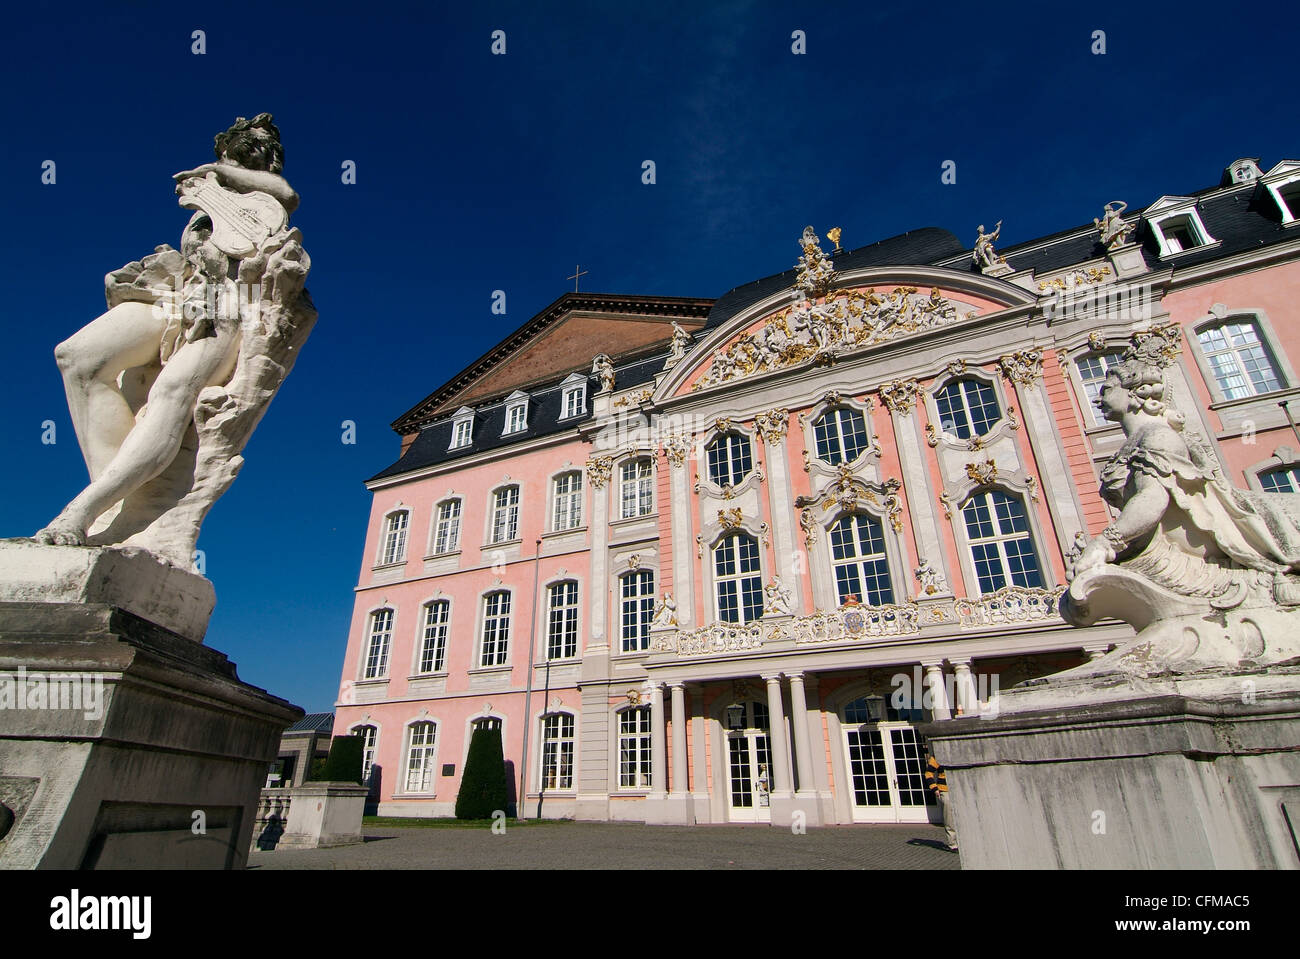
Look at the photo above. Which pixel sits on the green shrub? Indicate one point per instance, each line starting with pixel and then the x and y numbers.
pixel 483 788
pixel 344 763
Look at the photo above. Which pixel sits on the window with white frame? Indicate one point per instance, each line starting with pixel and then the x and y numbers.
pixel 637 590
pixel 446 527
pixel 634 741
pixel 557 751
pixel 573 400
pixel 967 408
pixel 1283 479
pixel 729 458
pixel 636 488
pixel 433 648
pixel 1092 373
pixel 858 557
pixel 495 646
pixel 462 428
pixel 369 736
pixel 381 638
pixel 1238 358
pixel 505 514
pixel 516 413
pixel 566 512
pixel 419 757
pixel 1288 200
pixel 841 435
pixel 562 621
pixel 394 548
pixel 1001 543
pixel 738 580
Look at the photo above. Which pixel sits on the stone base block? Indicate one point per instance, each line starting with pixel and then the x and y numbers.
pixel 786 810
pixel 131 579
pixel 1197 773
pixel 673 809
pixel 324 814
pixel 125 745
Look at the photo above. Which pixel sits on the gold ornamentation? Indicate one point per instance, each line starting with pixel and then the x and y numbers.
pixel 598 469
pixel 975 444
pixel 956 368
pixel 1063 358
pixel 730 518
pixel 723 424
pixel 763 532
pixel 676 446
pixel 1022 367
pixel 931 437
pixel 899 396
pixel 983 473
pixel 1012 420
pixel 772 425
pixel 1096 340
pixel 1159 345
pixel 833 235
pixel 845 494
pixel 946 502
pixel 1089 277
pixel 808 523
pixel 634 561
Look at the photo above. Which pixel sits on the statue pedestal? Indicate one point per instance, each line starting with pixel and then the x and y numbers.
pixel 1100 772
pixel 148 751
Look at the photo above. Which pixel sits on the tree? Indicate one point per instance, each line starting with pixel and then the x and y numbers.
pixel 344 764
pixel 483 789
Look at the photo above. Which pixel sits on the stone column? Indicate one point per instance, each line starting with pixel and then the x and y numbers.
pixel 658 748
pixel 938 695
pixel 967 698
pixel 679 781
pixel 780 754
pixel 699 756
pixel 802 742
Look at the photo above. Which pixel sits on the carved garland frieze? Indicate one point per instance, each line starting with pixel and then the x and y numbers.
pixel 676 448
pixel 771 425
pixel 1159 345
pixel 899 396
pixel 1022 367
pixel 598 470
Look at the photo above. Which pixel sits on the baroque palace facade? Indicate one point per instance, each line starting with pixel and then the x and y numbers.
pixel 722 572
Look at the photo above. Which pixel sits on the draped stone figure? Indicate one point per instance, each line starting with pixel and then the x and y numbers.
pixel 1207 573
pixel 168 384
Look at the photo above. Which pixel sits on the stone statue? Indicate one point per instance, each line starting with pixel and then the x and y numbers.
pixel 931 580
pixel 678 347
pixel 1208 574
pixel 1114 231
pixel 776 598
pixel 603 367
pixel 167 385
pixel 985 257
pixel 665 615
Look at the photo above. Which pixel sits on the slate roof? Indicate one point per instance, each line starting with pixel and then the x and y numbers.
pixel 1241 218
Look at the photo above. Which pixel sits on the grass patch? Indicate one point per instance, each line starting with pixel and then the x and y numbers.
pixel 448 822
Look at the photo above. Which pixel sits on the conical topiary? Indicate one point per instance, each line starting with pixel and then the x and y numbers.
pixel 483 788
pixel 344 764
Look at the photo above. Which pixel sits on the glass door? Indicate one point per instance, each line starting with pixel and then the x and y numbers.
pixel 886 763
pixel 749 763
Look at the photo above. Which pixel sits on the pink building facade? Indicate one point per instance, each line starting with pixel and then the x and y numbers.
pixel 722 571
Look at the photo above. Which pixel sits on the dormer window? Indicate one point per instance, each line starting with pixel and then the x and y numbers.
pixel 1245 170
pixel 462 428
pixel 1283 185
pixel 573 396
pixel 516 413
pixel 1176 226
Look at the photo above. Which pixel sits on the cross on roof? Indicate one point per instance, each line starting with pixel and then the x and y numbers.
pixel 576 273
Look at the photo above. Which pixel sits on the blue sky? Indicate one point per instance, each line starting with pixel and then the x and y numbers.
pixel 478 172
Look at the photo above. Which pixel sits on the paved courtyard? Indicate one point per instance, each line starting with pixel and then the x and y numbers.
pixel 604 845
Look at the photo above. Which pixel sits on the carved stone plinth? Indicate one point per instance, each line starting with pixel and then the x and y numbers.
pixel 1108 773
pixel 147 752
pixel 325 814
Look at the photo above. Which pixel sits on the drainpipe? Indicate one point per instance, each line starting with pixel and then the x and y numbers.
pixel 1287 410
pixel 528 689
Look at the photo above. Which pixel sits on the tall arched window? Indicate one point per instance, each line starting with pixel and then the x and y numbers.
pixel 495 647
pixel 841 435
pixel 562 621
pixel 369 736
pixel 967 408
pixel 566 512
pixel 738 580
pixel 419 757
pixel 729 459
pixel 634 741
pixel 433 648
pixel 557 751
pixel 394 546
pixel 637 591
pixel 446 529
pixel 1001 544
pixel 505 514
pixel 379 641
pixel 858 556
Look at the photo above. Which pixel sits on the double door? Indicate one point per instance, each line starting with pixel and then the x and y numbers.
pixel 886 772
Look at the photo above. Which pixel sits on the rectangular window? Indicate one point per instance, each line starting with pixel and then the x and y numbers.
pixel 462 430
pixel 433 652
pixel 1092 371
pixel 637 488
pixel 738 579
pixel 419 759
pixel 446 532
pixel 567 513
pixel 1000 542
pixel 516 418
pixel 381 636
pixel 575 401
pixel 1240 362
pixel 496 629
pixel 562 622
pixel 394 550
pixel 368 735
pixel 557 751
pixel 505 515
pixel 634 748
pixel 638 606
